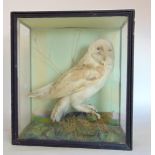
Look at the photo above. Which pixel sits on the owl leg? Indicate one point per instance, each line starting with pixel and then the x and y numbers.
pixel 92 107
pixel 86 108
pixel 61 108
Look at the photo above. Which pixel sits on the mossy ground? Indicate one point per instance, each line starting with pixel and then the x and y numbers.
pixel 75 127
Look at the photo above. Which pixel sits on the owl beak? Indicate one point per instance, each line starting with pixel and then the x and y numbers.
pixel 100 52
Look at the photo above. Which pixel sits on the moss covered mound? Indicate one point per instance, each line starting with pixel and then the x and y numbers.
pixel 75 127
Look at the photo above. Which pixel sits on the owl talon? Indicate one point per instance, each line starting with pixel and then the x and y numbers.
pixel 98 116
pixel 92 107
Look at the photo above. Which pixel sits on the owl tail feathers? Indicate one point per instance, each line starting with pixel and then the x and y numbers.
pixel 43 92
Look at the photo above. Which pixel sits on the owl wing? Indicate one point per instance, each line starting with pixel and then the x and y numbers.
pixel 74 81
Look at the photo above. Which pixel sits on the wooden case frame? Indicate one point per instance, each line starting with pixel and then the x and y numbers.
pixel 14 79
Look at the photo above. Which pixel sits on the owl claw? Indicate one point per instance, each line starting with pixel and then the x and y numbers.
pixel 98 115
pixel 92 107
pixel 94 111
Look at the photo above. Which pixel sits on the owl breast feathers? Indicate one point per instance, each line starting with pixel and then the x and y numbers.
pixel 81 81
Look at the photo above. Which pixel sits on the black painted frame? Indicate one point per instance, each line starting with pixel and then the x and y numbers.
pixel 14 80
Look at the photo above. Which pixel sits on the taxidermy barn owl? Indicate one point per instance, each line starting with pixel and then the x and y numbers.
pixel 83 80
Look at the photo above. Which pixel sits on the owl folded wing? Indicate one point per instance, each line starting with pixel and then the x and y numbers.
pixel 74 81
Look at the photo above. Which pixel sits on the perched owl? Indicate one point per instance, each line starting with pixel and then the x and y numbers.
pixel 75 86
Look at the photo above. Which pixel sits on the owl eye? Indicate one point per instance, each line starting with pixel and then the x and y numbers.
pixel 100 48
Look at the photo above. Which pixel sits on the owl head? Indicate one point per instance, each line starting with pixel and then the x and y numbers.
pixel 101 51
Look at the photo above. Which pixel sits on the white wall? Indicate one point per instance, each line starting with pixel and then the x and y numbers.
pixel 141 78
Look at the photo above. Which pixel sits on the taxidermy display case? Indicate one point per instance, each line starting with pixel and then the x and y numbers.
pixel 72 78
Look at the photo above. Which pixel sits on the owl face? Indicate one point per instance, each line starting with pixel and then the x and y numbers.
pixel 101 51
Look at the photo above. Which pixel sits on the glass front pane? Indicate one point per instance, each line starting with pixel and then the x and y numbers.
pixel 72 78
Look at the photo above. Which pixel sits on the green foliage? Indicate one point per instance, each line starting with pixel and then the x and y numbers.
pixel 91 118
